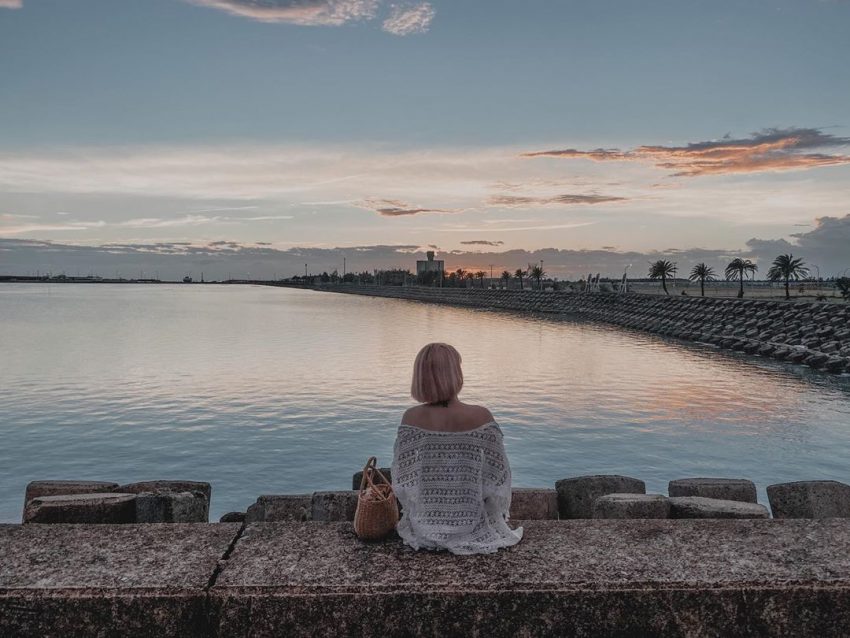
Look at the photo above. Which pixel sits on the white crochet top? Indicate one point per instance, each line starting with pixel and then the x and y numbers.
pixel 454 489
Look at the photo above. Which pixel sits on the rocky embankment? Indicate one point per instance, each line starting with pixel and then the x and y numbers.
pixel 816 334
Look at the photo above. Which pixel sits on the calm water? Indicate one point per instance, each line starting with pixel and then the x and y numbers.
pixel 263 390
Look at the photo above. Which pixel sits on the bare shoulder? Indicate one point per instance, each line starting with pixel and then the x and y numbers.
pixel 410 414
pixel 481 414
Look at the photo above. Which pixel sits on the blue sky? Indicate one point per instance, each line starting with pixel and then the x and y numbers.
pixel 338 123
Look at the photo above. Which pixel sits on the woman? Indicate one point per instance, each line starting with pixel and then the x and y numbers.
pixel 450 472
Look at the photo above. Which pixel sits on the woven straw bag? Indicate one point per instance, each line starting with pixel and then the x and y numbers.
pixel 377 508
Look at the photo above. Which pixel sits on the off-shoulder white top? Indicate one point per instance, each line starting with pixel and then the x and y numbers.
pixel 454 489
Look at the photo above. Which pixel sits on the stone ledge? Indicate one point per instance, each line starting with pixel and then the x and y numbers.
pixel 118 557
pixel 566 578
pixel 109 580
pixel 327 557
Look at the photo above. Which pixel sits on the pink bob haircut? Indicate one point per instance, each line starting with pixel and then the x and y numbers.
pixel 437 376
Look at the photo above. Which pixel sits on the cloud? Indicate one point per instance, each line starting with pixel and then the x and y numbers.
pixel 300 12
pixel 139 222
pixel 191 220
pixel 482 242
pixel 408 20
pixel 396 208
pixel 827 245
pixel 28 228
pixel 510 229
pixel 519 201
pixel 399 19
pixel 185 192
pixel 767 151
pixel 223 258
pixel 11 4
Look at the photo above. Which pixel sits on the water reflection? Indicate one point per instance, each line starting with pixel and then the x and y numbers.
pixel 264 390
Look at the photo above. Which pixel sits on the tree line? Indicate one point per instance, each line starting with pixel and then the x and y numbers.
pixel 785 268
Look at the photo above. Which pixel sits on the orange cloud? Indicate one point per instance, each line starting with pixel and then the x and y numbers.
pixel 769 150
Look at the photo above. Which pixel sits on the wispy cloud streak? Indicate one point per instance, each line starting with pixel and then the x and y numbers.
pixel 408 20
pixel 482 242
pixel 769 150
pixel 396 208
pixel 521 201
pixel 300 12
pixel 398 19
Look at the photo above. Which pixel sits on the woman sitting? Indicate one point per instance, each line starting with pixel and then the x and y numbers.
pixel 450 472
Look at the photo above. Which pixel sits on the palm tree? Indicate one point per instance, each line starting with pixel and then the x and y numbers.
pixel 787 268
pixel 737 271
pixel 519 274
pixel 481 274
pixel 538 274
pixel 662 269
pixel 506 277
pixel 703 273
pixel 843 285
pixel 469 275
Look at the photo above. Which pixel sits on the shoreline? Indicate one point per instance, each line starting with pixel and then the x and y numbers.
pixel 816 334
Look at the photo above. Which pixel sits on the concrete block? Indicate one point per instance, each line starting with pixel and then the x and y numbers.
pixel 333 506
pixel 280 507
pixel 172 507
pixel 721 488
pixel 358 476
pixel 153 508
pixel 82 508
pixel 631 506
pixel 809 499
pixel 533 504
pixel 576 494
pixel 232 517
pixel 57 488
pixel 159 487
pixel 701 507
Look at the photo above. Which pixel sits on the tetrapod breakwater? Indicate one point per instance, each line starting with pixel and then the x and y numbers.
pixel 812 333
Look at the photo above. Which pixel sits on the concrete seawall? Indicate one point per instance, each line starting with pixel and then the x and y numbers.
pixel 566 578
pixel 816 334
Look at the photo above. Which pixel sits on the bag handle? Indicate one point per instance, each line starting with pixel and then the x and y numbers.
pixel 368 480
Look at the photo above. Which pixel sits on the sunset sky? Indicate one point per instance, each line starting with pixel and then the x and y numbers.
pixel 254 135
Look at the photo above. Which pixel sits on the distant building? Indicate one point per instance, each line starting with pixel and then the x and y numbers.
pixel 429 265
